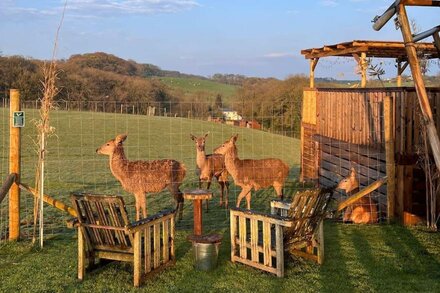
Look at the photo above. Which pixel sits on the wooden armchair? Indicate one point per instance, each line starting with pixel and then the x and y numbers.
pixel 260 240
pixel 104 232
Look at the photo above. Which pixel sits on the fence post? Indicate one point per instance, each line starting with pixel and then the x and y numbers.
pixel 390 163
pixel 14 167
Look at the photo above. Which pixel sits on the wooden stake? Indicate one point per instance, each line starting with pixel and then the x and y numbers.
pixel 14 167
pixel 363 64
pixel 390 163
pixel 419 84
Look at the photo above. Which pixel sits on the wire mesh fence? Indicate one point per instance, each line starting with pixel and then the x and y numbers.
pixel 154 131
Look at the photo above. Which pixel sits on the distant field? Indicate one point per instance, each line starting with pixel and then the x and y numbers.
pixel 193 85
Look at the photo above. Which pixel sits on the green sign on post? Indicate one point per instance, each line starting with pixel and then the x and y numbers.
pixel 18 119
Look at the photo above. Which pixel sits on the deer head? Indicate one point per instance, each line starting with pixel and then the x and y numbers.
pixel 226 146
pixel 350 182
pixel 109 147
pixel 200 141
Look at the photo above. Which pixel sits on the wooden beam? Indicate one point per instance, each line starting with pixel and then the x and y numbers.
pixel 367 190
pixel 435 3
pixel 419 84
pixel 313 63
pixel 49 200
pixel 6 185
pixel 437 41
pixel 14 167
pixel 389 150
pixel 346 52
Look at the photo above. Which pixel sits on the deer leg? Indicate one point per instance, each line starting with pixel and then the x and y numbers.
pixel 244 192
pixel 279 190
pixel 226 194
pixel 248 199
pixel 222 190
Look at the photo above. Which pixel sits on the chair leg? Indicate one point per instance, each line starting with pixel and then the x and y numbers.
pixel 81 255
pixel 320 240
pixel 137 259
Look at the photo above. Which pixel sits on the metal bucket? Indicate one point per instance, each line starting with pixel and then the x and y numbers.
pixel 205 255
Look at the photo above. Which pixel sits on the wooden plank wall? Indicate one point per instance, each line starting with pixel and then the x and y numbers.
pixel 309 152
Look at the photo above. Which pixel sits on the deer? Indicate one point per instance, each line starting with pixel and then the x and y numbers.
pixel 142 177
pixel 364 210
pixel 252 174
pixel 211 166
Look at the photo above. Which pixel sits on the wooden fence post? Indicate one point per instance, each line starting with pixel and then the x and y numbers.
pixel 14 167
pixel 390 163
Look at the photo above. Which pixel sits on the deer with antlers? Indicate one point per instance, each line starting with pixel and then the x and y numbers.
pixel 142 177
pixel 252 174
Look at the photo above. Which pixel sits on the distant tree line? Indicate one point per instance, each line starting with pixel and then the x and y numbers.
pixel 103 82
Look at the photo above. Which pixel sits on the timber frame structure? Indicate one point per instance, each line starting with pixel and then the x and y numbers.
pixel 376 130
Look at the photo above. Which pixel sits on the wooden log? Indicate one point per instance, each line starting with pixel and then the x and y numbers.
pixel 156 246
pixel 14 167
pixel 320 242
pixel 355 197
pixel 49 200
pixel 419 84
pixel 390 164
pixel 7 185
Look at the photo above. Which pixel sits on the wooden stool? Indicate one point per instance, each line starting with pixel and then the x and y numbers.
pixel 197 196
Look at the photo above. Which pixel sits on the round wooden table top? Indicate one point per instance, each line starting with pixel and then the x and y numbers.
pixel 197 194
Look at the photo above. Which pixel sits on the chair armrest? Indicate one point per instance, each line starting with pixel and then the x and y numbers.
pixel 281 205
pixel 151 220
pixel 272 219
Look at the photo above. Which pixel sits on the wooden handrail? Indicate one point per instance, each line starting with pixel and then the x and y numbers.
pixel 6 185
pixel 355 197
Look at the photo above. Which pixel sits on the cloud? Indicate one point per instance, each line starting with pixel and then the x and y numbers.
pixel 329 3
pixel 85 8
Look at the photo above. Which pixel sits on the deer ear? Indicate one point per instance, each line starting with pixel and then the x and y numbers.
pixel 353 172
pixel 206 134
pixel 234 138
pixel 120 138
pixel 192 136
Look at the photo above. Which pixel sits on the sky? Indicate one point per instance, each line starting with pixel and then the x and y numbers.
pixel 260 38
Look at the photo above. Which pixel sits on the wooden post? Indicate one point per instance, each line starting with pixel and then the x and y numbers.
pixel 363 65
pixel 390 163
pixel 399 74
pixel 14 167
pixel 137 266
pixel 81 254
pixel 313 63
pixel 198 217
pixel 419 84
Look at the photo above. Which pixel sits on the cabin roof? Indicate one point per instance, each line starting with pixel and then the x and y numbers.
pixel 378 49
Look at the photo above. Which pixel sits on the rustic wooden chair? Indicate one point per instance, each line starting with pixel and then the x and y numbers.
pixel 104 232
pixel 260 240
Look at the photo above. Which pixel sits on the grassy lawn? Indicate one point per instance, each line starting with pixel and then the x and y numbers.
pixel 358 259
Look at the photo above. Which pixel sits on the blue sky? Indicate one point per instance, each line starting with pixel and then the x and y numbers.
pixel 256 38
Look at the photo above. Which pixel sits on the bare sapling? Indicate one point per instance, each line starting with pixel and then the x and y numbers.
pixel 143 177
pixel 364 210
pixel 211 166
pixel 252 174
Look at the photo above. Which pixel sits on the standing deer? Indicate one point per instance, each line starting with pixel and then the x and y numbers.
pixel 364 210
pixel 209 166
pixel 142 177
pixel 252 174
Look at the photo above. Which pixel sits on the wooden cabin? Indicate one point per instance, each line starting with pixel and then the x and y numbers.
pixel 343 128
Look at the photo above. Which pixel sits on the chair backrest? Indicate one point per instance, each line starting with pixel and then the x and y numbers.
pixel 103 219
pixel 307 210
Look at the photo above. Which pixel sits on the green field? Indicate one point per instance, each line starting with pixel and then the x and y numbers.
pixel 194 85
pixel 379 258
